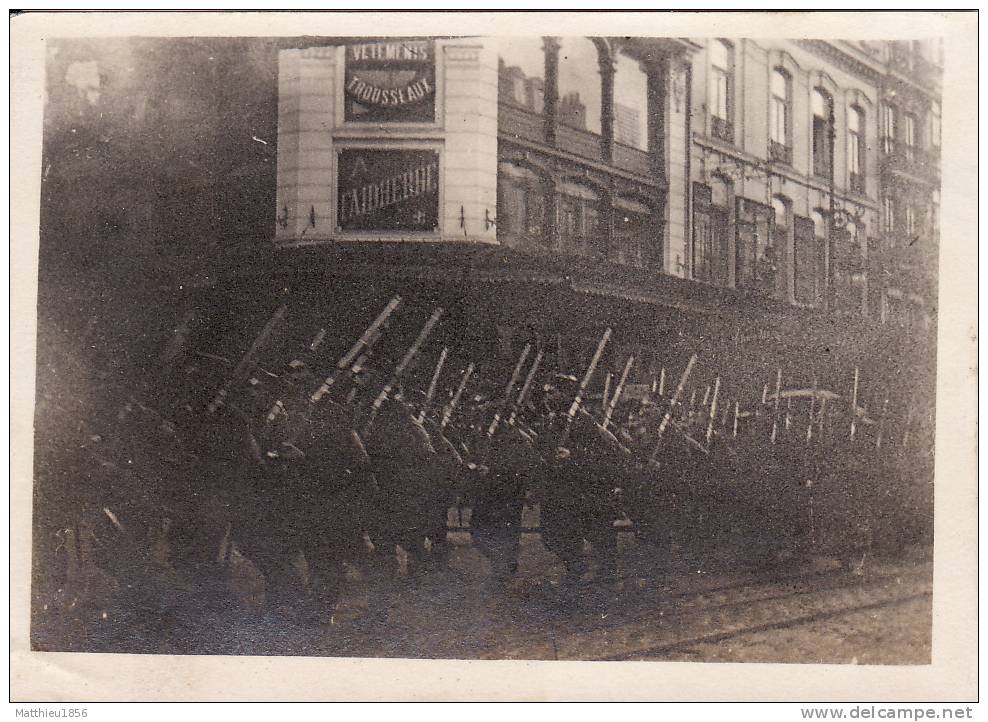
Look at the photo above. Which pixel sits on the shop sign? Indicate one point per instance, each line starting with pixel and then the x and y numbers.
pixel 388 190
pixel 391 81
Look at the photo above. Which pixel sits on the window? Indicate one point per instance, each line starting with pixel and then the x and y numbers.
pixel 806 262
pixel 772 261
pixel 710 229
pixel 779 148
pixel 632 232
pixel 934 126
pixel 720 90
pixel 888 128
pixel 910 221
pixel 856 149
pixel 579 219
pixel 847 267
pixel 888 217
pixel 753 241
pixel 823 152
pixel 521 207
pixel 909 135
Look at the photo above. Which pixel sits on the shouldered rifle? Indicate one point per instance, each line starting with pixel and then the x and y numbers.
pixel 369 337
pixel 432 384
pixel 248 360
pixel 451 406
pixel 402 365
pixel 618 391
pixel 571 414
pixel 495 422
pixel 523 394
pixel 672 405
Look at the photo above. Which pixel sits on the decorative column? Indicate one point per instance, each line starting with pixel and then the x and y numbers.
pixel 607 70
pixel 656 89
pixel 551 47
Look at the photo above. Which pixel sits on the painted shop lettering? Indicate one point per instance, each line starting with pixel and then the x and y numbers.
pixel 408 50
pixel 367 93
pixel 389 192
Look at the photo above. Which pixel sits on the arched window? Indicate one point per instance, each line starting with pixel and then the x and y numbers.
pixel 770 262
pixel 856 149
pixel 522 203
pixel 521 70
pixel 779 145
pixel 823 151
pixel 579 85
pixel 630 103
pixel 720 90
pixel 819 225
pixel 808 260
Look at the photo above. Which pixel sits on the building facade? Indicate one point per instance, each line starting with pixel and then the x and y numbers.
pixel 802 173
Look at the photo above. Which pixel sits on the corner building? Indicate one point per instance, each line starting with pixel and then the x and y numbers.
pixel 728 195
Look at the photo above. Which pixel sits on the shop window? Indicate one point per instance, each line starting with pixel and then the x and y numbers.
pixel 781 233
pixel 710 232
pixel 849 267
pixel 579 219
pixel 633 232
pixel 521 207
pixel 754 264
pixel 807 278
pixel 823 152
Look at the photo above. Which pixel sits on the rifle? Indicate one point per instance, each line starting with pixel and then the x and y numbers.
pixel 400 368
pixel 507 391
pixel 713 410
pixel 854 405
pixel 672 405
pixel 523 394
pixel 451 406
pixel 778 393
pixel 583 387
pixel 618 391
pixel 432 384
pixel 248 360
pixel 369 337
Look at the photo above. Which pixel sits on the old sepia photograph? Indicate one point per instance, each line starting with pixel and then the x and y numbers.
pixel 489 347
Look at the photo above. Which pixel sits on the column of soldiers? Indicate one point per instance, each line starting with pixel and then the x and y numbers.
pixel 359 468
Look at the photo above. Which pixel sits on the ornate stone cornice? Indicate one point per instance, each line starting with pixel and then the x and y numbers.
pixel 871 72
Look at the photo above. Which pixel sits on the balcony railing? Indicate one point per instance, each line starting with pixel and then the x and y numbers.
pixel 911 159
pixel 722 129
pixel 779 153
